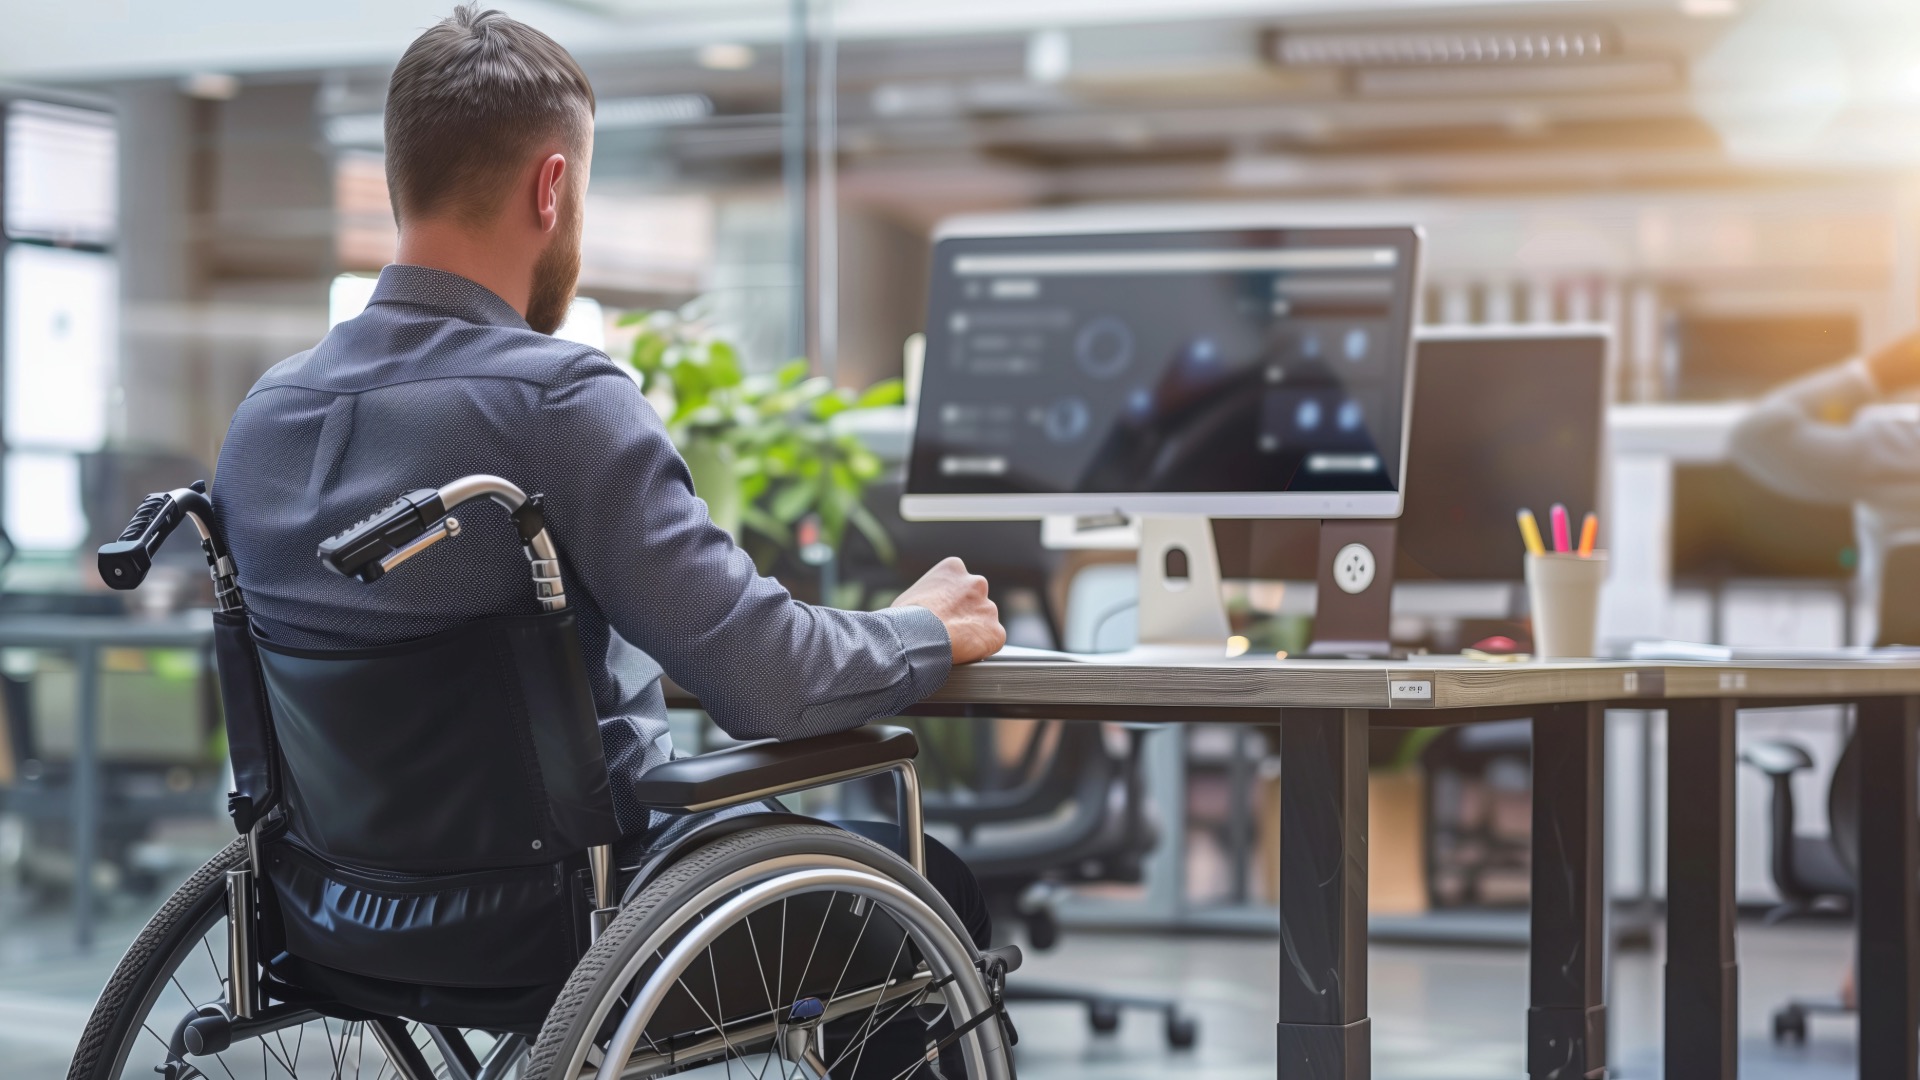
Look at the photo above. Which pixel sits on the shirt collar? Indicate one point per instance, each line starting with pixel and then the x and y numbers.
pixel 451 294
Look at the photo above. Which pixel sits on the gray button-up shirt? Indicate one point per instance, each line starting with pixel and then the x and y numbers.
pixel 440 378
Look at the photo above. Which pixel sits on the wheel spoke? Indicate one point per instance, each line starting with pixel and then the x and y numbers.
pixel 825 916
pixel 754 941
pixel 864 1033
pixel 718 1027
pixel 156 1037
pixel 780 979
pixel 853 952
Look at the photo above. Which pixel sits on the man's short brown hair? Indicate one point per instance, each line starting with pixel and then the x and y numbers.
pixel 469 100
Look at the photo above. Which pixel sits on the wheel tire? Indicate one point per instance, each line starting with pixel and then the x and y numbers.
pixel 141 974
pixel 571 1023
pixel 1182 1031
pixel 1103 1017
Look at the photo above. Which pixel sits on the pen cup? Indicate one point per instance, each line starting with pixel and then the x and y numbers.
pixel 1564 591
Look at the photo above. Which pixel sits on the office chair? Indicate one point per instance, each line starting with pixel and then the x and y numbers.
pixel 1817 873
pixel 1075 812
pixel 1812 873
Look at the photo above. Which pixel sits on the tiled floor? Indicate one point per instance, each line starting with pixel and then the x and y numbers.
pixel 1438 1013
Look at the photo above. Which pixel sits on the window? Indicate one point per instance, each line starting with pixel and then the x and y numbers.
pixel 59 314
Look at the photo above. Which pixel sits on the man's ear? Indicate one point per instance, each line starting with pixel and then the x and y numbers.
pixel 546 191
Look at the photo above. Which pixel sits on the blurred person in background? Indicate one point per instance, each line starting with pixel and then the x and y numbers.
pixel 452 370
pixel 1831 437
pixel 1839 436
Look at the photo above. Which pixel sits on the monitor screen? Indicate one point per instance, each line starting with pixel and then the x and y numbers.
pixel 1501 420
pixel 1228 372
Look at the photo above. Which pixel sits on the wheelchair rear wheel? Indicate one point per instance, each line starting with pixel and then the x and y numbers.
pixel 174 973
pixel 787 950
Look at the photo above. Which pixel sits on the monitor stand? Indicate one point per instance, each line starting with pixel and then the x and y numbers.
pixel 1353 609
pixel 1181 614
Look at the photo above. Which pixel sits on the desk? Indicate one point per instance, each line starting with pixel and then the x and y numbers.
pixel 84 636
pixel 1323 710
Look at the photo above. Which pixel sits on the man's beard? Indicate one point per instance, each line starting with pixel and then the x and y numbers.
pixel 555 274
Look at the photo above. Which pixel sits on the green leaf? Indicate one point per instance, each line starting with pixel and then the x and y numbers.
pixel 766 525
pixel 794 370
pixel 833 518
pixel 884 392
pixel 865 465
pixel 723 363
pixel 631 317
pixel 830 405
pixel 792 502
pixel 871 528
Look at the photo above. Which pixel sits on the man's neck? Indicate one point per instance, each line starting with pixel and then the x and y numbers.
pixel 484 260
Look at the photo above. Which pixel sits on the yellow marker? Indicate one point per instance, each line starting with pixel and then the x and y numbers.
pixel 1589 532
pixel 1530 532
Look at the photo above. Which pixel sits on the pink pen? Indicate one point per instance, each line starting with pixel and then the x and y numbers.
pixel 1562 538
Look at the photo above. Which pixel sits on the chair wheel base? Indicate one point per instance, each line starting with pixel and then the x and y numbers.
pixel 1790 1026
pixel 1182 1031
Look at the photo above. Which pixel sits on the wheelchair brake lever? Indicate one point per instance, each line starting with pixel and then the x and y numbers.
pixel 446 528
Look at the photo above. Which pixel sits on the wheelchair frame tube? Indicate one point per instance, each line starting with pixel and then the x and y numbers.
pixel 906 787
pixel 242 991
pixel 605 904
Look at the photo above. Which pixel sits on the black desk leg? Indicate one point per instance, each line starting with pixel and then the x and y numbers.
pixel 1323 1028
pixel 1703 977
pixel 1889 859
pixel 1567 1023
pixel 86 790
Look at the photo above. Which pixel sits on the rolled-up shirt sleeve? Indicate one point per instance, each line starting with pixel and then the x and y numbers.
pixel 639 541
pixel 1811 440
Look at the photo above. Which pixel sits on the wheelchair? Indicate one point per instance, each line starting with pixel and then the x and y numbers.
pixel 424 883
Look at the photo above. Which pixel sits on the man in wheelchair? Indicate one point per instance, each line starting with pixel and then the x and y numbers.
pixel 467 847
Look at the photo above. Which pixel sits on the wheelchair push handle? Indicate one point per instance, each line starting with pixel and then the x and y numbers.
pixel 423 517
pixel 124 563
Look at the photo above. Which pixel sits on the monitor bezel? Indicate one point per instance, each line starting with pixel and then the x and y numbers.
pixel 1271 504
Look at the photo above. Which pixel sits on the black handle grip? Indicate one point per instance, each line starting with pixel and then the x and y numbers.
pixel 357 552
pixel 124 562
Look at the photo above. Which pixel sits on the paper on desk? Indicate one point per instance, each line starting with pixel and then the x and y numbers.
pixel 1734 654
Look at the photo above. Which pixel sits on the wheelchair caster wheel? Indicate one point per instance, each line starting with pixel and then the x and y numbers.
pixel 1182 1031
pixel 1790 1026
pixel 1104 1016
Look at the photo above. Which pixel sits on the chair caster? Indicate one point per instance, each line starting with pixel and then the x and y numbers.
pixel 1103 1017
pixel 1790 1026
pixel 1182 1031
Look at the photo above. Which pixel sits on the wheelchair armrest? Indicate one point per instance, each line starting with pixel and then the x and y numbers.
pixel 1777 757
pixel 760 770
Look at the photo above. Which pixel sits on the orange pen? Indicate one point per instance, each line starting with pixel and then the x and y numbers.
pixel 1589 532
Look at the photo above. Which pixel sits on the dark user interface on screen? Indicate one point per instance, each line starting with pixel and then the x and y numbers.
pixel 1245 361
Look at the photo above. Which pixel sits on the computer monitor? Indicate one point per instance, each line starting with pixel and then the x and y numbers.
pixel 1249 371
pixel 1503 418
pixel 1714 538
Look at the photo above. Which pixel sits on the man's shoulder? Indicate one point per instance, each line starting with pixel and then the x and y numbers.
pixel 362 354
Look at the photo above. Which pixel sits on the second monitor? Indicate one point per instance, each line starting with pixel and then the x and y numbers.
pixel 1502 419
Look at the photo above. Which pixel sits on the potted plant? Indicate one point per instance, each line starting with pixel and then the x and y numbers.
pixel 763 447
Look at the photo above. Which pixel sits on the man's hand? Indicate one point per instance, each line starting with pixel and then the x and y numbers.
pixel 960 600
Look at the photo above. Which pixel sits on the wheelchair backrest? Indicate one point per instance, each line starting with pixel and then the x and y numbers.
pixel 476 747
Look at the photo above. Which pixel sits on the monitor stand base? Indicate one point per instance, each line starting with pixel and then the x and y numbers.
pixel 1180 605
pixel 1353 610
